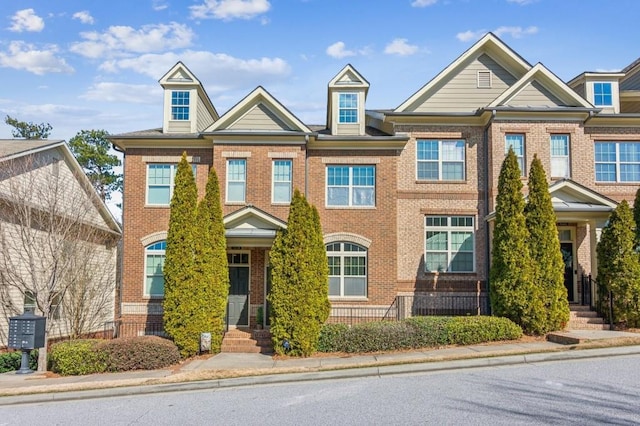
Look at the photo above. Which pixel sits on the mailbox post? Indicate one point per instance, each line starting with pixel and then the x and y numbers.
pixel 26 332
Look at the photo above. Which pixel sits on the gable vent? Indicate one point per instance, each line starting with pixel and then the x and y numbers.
pixel 484 79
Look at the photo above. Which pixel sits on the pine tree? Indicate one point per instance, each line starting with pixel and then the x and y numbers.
pixel 179 303
pixel 512 292
pixel 619 266
pixel 211 272
pixel 544 246
pixel 299 286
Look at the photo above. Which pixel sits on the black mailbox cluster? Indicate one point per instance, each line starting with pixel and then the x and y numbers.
pixel 26 331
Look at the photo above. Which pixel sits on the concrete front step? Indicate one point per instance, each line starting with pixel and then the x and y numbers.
pixel 583 318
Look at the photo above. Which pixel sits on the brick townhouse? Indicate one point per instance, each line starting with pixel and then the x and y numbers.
pixel 405 195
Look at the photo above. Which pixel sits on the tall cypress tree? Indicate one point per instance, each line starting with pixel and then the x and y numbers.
pixel 211 273
pixel 179 261
pixel 636 219
pixel 513 294
pixel 299 281
pixel 619 266
pixel 544 246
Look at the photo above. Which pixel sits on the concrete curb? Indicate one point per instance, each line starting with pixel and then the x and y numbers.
pixel 427 366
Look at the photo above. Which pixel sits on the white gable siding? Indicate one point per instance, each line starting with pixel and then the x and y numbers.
pixel 461 92
pixel 534 95
pixel 259 118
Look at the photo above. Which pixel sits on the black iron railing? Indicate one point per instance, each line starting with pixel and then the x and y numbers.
pixel 598 299
pixel 118 328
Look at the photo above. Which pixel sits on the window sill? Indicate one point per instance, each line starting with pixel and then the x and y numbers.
pixel 157 206
pixel 617 183
pixel 350 207
pixel 348 298
pixel 466 274
pixel 439 182
pixel 152 298
pixel 235 203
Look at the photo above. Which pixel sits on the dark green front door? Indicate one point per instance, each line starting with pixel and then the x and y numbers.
pixel 238 296
pixel 567 258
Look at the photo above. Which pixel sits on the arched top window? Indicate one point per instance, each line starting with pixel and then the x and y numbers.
pixel 347 269
pixel 154 255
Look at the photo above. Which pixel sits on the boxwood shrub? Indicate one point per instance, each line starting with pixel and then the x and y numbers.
pixel 139 353
pixel 11 361
pixel 88 356
pixel 77 357
pixel 416 332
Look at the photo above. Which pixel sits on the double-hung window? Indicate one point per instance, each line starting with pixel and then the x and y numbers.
pixel 154 256
pixel 347 270
pixel 516 141
pixel 617 161
pixel 560 156
pixel 348 108
pixel 281 191
pixel 602 94
pixel 449 244
pixel 351 186
pixel 440 159
pixel 236 180
pixel 179 105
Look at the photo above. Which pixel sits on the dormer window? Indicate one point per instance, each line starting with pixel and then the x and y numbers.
pixel 180 105
pixel 602 94
pixel 348 108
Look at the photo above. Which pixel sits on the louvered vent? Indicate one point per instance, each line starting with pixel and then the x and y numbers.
pixel 484 79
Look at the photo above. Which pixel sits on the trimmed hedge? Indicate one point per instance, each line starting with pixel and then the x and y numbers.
pixel 89 356
pixel 77 357
pixel 139 353
pixel 416 332
pixel 11 361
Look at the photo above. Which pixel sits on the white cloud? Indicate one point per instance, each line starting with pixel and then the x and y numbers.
pixel 159 5
pixel 24 56
pixel 423 3
pixel 26 20
pixel 400 47
pixel 230 9
pixel 515 32
pixel 120 92
pixel 337 50
pixel 521 2
pixel 120 40
pixel 217 71
pixel 470 35
pixel 84 17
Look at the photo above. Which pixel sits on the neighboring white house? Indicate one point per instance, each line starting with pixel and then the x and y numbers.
pixel 58 240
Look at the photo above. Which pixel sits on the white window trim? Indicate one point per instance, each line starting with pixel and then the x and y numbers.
pixel 593 88
pixel 273 180
pixel 145 293
pixel 523 167
pixel 617 163
pixel 172 179
pixel 440 161
pixel 171 106
pixel 350 187
pixel 228 181
pixel 448 228
pixel 566 157
pixel 341 254
pixel 357 107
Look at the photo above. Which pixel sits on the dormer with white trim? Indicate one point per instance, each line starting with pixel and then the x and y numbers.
pixel 602 89
pixel 346 103
pixel 187 107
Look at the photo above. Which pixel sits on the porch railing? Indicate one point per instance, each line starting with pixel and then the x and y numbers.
pixel 118 328
pixel 597 299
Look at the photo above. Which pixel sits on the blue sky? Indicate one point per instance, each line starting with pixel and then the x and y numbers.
pixel 94 64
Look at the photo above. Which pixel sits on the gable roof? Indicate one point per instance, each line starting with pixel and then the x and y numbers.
pixel 568 195
pixel 489 44
pixel 180 75
pixel 251 227
pixel 549 81
pixel 262 103
pixel 16 148
pixel 347 78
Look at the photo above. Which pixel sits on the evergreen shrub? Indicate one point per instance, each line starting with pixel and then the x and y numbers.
pixel 77 357
pixel 139 353
pixel 12 361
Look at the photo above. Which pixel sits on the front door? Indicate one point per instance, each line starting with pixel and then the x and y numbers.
pixel 239 295
pixel 567 258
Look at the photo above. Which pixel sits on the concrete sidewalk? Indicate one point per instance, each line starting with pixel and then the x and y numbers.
pixel 229 369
